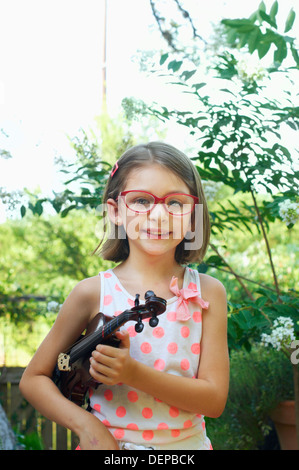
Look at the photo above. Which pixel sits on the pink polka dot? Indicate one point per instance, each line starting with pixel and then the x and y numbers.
pixel 173 411
pixel 158 332
pixel 117 312
pixel 107 275
pixel 158 400
pixel 116 287
pixel 185 331
pixel 132 396
pixel 132 426
pixel 97 407
pixel 147 413
pixel 106 422
pixel 185 364
pixel 131 302
pixel 171 316
pixel 107 299
pixel 132 331
pixel 172 348
pixel 188 424
pixel 119 433
pixel 108 395
pixel 91 391
pixel 192 286
pixel 162 426
pixel 121 411
pixel 146 348
pixel 175 432
pixel 148 435
pixel 203 425
pixel 159 364
pixel 195 348
pixel 197 316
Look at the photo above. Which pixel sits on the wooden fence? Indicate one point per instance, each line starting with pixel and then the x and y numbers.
pixel 25 419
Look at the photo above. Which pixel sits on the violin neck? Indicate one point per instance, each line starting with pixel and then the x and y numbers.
pixel 89 342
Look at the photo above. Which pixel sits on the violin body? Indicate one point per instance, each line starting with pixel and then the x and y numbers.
pixel 71 373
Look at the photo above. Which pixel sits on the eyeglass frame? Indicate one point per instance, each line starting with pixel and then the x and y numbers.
pixel 157 200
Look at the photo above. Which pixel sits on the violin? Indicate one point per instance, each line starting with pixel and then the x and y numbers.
pixel 71 373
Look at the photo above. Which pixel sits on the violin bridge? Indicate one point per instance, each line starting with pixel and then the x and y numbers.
pixel 63 362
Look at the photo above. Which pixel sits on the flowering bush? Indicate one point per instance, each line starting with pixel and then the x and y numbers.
pixel 289 211
pixel 282 334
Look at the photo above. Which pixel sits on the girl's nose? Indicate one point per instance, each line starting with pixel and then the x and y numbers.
pixel 158 212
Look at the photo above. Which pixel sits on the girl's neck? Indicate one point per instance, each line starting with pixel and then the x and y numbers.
pixel 153 273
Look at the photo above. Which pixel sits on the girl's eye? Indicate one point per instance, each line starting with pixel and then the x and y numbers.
pixel 175 202
pixel 142 201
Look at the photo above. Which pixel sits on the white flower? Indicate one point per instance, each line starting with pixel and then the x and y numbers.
pixel 53 306
pixel 289 211
pixel 282 334
pixel 250 70
pixel 210 189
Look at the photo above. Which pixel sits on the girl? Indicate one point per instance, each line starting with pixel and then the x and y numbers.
pixel 158 385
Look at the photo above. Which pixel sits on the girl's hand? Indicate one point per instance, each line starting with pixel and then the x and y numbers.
pixel 109 365
pixel 95 436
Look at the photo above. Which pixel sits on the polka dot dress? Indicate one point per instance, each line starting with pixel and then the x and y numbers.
pixel 172 346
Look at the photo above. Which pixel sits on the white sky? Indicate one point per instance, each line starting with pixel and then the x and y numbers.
pixel 51 57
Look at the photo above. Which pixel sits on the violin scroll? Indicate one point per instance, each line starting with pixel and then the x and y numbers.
pixel 155 305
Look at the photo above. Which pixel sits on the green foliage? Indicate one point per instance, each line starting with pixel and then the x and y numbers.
pixel 260 32
pixel 239 126
pixel 259 380
pixel 30 441
pixel 95 155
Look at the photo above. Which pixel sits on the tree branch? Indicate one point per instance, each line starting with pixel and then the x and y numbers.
pixel 267 244
pixel 233 272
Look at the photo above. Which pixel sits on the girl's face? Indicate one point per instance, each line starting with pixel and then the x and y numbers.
pixel 158 231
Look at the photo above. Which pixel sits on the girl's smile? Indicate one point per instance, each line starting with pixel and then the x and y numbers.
pixel 155 234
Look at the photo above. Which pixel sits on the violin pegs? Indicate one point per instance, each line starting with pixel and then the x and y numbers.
pixel 136 302
pixel 139 327
pixel 153 321
pixel 148 294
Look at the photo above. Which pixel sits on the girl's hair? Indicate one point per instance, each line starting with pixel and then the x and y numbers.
pixel 117 248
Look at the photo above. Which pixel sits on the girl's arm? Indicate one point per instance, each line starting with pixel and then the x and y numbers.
pixel 208 394
pixel 36 384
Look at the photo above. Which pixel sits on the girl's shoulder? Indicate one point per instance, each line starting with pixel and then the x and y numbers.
pixel 87 295
pixel 210 286
pixel 90 286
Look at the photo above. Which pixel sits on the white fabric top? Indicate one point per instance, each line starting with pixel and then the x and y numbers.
pixel 172 346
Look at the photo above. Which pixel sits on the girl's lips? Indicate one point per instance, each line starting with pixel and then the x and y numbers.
pixel 156 233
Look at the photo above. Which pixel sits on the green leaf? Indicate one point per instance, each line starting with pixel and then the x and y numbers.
pixel 290 21
pixel 263 47
pixel 295 55
pixel 262 7
pixel 23 211
pixel 253 39
pixel 274 10
pixel 281 52
pixel 188 74
pixel 237 23
pixel 175 65
pixel 268 19
pixel 163 59
pixel 197 86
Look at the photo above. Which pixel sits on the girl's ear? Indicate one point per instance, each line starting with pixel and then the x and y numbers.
pixel 113 212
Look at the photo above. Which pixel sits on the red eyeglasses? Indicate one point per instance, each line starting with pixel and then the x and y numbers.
pixel 143 202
